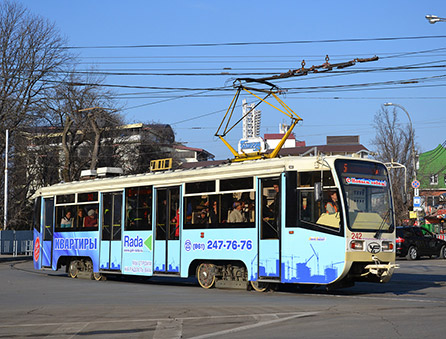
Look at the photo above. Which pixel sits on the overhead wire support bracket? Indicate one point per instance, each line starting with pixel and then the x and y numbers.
pixel 225 126
pixel 273 91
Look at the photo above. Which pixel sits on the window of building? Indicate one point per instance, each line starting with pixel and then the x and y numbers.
pixel 434 179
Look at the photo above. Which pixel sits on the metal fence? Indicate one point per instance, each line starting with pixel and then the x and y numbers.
pixel 16 242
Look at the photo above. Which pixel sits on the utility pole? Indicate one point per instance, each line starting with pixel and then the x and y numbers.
pixel 5 217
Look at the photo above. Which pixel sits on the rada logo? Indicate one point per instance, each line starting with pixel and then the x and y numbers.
pixel 137 242
pixel 133 242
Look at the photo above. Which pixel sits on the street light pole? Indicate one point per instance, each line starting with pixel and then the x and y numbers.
pixel 433 19
pixel 412 144
pixel 5 208
pixel 411 137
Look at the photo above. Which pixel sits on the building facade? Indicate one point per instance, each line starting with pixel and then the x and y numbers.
pixel 431 173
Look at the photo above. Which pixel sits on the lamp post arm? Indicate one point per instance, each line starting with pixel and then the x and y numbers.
pixel 411 137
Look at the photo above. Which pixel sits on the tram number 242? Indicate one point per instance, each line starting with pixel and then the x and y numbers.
pixel 357 236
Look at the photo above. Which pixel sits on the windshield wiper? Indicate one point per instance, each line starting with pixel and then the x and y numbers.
pixel 380 229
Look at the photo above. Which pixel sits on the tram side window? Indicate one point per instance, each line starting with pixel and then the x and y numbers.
pixel 90 215
pixel 319 215
pixel 87 197
pixel 138 208
pixel 271 208
pixel 64 217
pixel 198 210
pixel 326 213
pixel 77 217
pixel 237 184
pixel 48 219
pixel 65 199
pixel 308 179
pixel 37 213
pixel 167 214
pixel 200 187
pixel 234 210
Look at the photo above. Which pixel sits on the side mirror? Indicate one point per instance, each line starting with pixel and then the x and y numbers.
pixel 317 191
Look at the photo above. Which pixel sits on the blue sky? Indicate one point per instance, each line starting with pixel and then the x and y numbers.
pixel 332 111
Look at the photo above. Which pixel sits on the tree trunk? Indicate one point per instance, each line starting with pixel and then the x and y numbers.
pixel 97 138
pixel 66 151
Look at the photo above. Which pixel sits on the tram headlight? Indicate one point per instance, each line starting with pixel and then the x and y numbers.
pixel 357 245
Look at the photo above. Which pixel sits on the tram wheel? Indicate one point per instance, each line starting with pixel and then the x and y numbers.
pixel 97 276
pixel 259 286
pixel 73 269
pixel 206 275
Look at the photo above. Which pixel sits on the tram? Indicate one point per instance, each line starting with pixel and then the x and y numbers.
pixel 305 220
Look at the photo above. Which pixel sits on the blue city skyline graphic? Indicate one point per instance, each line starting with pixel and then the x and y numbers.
pixel 296 269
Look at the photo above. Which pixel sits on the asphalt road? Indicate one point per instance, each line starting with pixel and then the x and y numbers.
pixel 49 304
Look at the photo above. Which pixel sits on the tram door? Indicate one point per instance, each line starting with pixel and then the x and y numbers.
pixel 47 236
pixel 167 230
pixel 111 220
pixel 269 231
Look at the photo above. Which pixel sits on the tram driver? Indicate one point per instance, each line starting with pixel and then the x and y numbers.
pixel 332 206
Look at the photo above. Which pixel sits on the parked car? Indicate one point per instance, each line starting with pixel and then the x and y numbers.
pixel 413 242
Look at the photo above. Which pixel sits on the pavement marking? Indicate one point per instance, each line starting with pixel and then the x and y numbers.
pixel 67 330
pixel 259 324
pixel 169 328
pixel 150 319
pixel 429 301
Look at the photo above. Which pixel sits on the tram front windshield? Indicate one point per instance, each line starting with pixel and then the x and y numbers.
pixel 366 190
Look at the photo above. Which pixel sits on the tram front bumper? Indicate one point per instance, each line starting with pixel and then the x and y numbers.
pixel 382 271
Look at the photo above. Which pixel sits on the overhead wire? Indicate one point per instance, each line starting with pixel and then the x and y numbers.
pixel 292 42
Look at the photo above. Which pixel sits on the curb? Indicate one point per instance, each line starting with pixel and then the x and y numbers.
pixel 7 258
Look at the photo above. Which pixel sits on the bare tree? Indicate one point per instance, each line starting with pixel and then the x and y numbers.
pixel 31 57
pixel 134 150
pixel 393 143
pixel 82 109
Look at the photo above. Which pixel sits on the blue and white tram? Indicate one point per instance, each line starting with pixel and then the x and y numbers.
pixel 303 220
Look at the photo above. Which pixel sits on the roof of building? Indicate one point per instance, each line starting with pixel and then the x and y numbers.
pixel 326 149
pixel 186 148
pixel 278 136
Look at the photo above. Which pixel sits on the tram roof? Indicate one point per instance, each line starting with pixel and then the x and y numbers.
pixel 209 170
